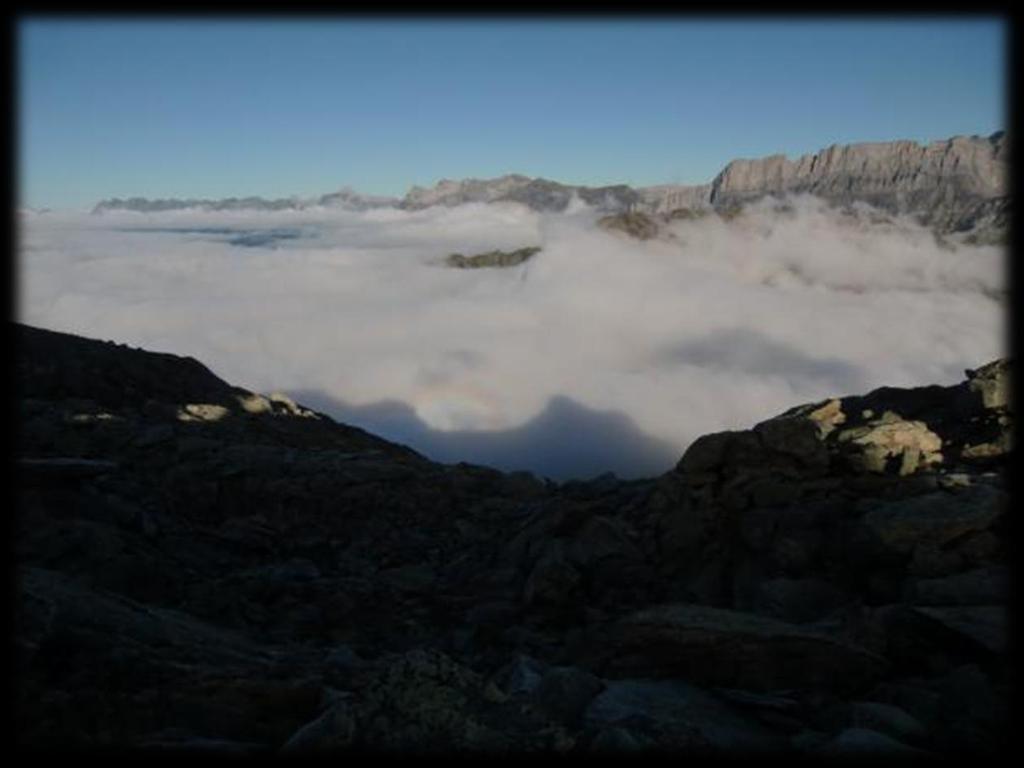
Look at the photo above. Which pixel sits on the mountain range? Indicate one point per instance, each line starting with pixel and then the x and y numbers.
pixel 954 185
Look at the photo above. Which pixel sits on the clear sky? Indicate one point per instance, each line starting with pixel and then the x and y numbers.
pixel 218 108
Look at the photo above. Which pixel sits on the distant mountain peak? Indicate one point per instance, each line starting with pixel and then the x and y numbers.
pixel 954 184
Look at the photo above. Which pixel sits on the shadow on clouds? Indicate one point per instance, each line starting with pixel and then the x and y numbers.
pixel 751 353
pixel 565 441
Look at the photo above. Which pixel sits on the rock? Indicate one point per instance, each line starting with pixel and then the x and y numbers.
pixel 61 470
pixel 717 647
pixel 897 176
pixel 553 579
pixel 522 675
pixel 972 718
pixel 857 741
pixel 934 519
pixel 425 701
pixel 601 538
pixel 335 729
pixel 798 600
pixel 492 258
pixel 980 586
pixel 992 383
pixel 809 741
pixel 887 719
pixel 633 223
pixel 616 739
pixel 984 625
pixel 796 436
pixel 676 715
pixel 205 568
pixel 564 692
pixel 416 578
pixel 885 442
pixel 342 663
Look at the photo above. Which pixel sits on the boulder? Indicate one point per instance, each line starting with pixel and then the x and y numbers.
pixel 992 384
pixel 798 600
pixel 564 692
pixel 980 586
pixel 553 579
pixel 719 647
pixel 676 715
pixel 983 625
pixel 890 442
pixel 522 675
pixel 333 730
pixel 887 719
pixel 864 741
pixel 934 519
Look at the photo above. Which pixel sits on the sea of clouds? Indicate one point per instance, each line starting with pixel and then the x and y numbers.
pixel 601 353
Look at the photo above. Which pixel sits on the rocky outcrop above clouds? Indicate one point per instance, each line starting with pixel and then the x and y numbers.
pixel 345 198
pixel 537 194
pixel 496 258
pixel 204 568
pixel 958 184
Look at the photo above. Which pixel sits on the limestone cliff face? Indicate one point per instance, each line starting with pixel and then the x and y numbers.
pixel 958 184
pixel 952 185
pixel 538 194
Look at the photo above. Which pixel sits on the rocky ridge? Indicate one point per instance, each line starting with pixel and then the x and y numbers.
pixel 346 199
pixel 954 185
pixel 205 568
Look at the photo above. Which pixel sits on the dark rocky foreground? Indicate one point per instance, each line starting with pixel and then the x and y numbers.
pixel 203 568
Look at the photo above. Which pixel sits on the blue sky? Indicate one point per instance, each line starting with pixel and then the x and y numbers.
pixel 209 108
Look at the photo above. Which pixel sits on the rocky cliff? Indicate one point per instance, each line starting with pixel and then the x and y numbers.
pixel 537 194
pixel 203 568
pixel 954 185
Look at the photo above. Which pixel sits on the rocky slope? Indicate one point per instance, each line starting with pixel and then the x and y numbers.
pixel 201 567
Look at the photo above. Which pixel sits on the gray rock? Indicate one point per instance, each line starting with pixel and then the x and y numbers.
pixel 992 383
pixel 887 719
pixel 553 579
pixel 522 675
pixel 718 647
pixel 946 182
pixel 496 258
pixel 564 692
pixel 677 714
pixel 342 662
pixel 934 519
pixel 616 739
pixel 859 741
pixel 985 625
pixel 980 586
pixel 798 600
pixel 334 729
pixel 598 539
pixel 415 578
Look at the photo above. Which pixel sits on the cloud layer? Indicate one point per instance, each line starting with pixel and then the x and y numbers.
pixel 718 326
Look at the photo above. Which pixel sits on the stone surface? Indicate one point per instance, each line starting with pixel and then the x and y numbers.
pixel 712 646
pixel 678 715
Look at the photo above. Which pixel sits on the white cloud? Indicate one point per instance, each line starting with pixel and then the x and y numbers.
pixel 725 325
